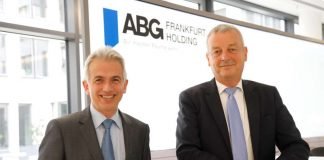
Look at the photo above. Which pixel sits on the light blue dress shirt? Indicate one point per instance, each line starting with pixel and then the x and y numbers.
pixel 117 134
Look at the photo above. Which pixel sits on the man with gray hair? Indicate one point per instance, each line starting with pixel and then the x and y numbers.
pixel 228 118
pixel 101 131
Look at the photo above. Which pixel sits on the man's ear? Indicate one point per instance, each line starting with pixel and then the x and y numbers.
pixel 207 58
pixel 245 53
pixel 85 86
pixel 125 86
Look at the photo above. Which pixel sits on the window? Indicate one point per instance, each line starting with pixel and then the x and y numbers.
pixel 24 8
pixel 59 109
pixel 41 58
pixel 39 8
pixel 264 20
pixel 25 128
pixel 32 8
pixel 61 8
pixel 248 16
pixel 3 126
pixel 3 59
pixel 323 31
pixel 26 56
pixel 41 55
pixel 63 54
pixel 34 57
pixel 47 14
pixel 1 5
pixel 63 109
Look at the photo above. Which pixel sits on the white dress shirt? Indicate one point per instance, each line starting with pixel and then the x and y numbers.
pixel 117 134
pixel 240 100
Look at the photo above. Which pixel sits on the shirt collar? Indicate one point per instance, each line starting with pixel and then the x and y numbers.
pixel 98 117
pixel 221 87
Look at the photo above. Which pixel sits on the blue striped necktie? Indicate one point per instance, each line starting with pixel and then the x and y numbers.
pixel 235 127
pixel 107 147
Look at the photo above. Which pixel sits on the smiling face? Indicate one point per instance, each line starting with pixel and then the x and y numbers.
pixel 226 56
pixel 105 85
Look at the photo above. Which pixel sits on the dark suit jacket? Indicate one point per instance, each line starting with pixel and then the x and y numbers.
pixel 73 137
pixel 202 132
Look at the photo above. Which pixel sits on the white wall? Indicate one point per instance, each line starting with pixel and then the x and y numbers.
pixel 310 23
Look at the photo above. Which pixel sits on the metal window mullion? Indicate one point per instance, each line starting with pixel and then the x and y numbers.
pixel 72 56
pixel 289 26
pixel 85 37
pixel 209 6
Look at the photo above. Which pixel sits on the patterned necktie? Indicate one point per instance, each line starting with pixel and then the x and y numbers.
pixel 235 126
pixel 107 147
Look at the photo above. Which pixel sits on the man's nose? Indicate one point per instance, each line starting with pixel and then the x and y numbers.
pixel 107 86
pixel 224 55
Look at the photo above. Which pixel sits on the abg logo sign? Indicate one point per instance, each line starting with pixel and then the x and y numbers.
pixel 140 26
pixel 143 26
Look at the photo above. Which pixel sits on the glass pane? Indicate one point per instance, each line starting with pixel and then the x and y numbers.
pixel 31 108
pixel 322 31
pixel 25 133
pixel 63 57
pixel 47 14
pixel 3 126
pixel 3 59
pixel 63 109
pixel 248 16
pixel 1 5
pixel 39 8
pixel 34 59
pixel 41 48
pixel 26 46
pixel 24 8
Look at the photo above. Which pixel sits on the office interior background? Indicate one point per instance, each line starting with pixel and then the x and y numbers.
pixel 43 44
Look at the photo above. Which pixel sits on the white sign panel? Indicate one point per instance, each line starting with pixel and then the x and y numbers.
pixel 165 51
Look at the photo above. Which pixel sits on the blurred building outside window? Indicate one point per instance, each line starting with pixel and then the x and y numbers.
pixel 3 126
pixel 33 77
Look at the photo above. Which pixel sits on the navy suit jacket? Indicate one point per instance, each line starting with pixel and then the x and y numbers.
pixel 202 132
pixel 73 137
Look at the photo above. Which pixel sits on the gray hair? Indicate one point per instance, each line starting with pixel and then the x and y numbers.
pixel 105 53
pixel 225 28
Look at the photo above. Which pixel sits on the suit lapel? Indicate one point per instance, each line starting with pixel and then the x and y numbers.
pixel 215 106
pixel 88 132
pixel 253 108
pixel 127 135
